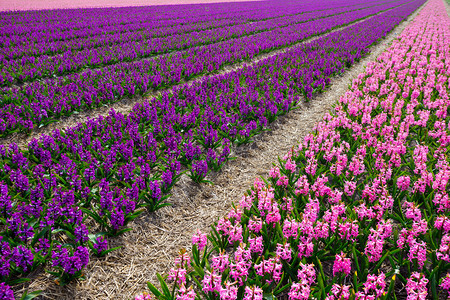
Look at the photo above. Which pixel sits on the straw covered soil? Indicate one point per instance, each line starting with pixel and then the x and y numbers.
pixel 156 238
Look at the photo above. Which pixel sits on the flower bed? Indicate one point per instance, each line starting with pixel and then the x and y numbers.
pixel 360 209
pixel 40 103
pixel 105 50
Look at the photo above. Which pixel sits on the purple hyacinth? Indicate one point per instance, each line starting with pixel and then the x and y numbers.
pixel 200 168
pixel 156 190
pixel 70 262
pixel 101 244
pixel 167 178
pixel 117 218
pixel 22 257
pixel 6 293
pixel 81 233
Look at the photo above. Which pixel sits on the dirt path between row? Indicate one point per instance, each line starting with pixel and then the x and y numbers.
pixel 157 237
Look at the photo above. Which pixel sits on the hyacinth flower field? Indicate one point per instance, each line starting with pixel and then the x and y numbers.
pixel 359 209
pixel 47 87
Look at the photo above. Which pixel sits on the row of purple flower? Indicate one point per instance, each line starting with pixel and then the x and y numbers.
pixel 39 103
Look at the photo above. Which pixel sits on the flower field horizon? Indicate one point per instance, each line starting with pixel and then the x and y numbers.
pixel 358 210
pixel 22 5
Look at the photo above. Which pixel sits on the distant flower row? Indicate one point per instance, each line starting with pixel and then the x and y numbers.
pixel 110 168
pixel 78 54
pixel 124 30
pixel 39 103
pixel 360 209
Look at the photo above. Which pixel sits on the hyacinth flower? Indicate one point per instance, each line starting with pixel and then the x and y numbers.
pixel 199 171
pixel 114 211
pixel 99 245
pixel 69 263
pixel 124 152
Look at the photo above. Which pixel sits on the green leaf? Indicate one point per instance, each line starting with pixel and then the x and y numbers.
pixel 154 290
pixel 31 295
pixel 104 252
pixel 164 286
pixel 391 287
pixel 95 216
pixel 268 296
pixel 18 281
pixel 120 232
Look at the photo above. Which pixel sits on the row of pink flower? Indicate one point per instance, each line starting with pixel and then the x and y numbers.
pixel 360 209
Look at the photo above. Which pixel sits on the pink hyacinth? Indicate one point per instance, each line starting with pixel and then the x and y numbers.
pixel 235 214
pixel 223 226
pixel 320 188
pixel 349 188
pixel 342 264
pixel 373 288
pixel 220 262
pixel 275 172
pixel 305 247
pixel 339 292
pixel 374 246
pixel 235 234
pixel 286 205
pixel 307 273
pixel 273 215
pixel 302 186
pixel 284 251
pixel 183 259
pixel 418 250
pixel 442 223
pixel 311 166
pixel 200 240
pixel 242 254
pixel 445 284
pixel 143 296
pixel 177 274
pixel 412 211
pixel 246 202
pixel 290 229
pixel 283 181
pixel 239 272
pixel 444 249
pixel 403 182
pixel 299 291
pixel 256 245
pixel 255 224
pixel 416 287
pixel 253 293
pixel 290 166
pixel 185 294
pixel 229 292
pixel 348 230
pixel 211 282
